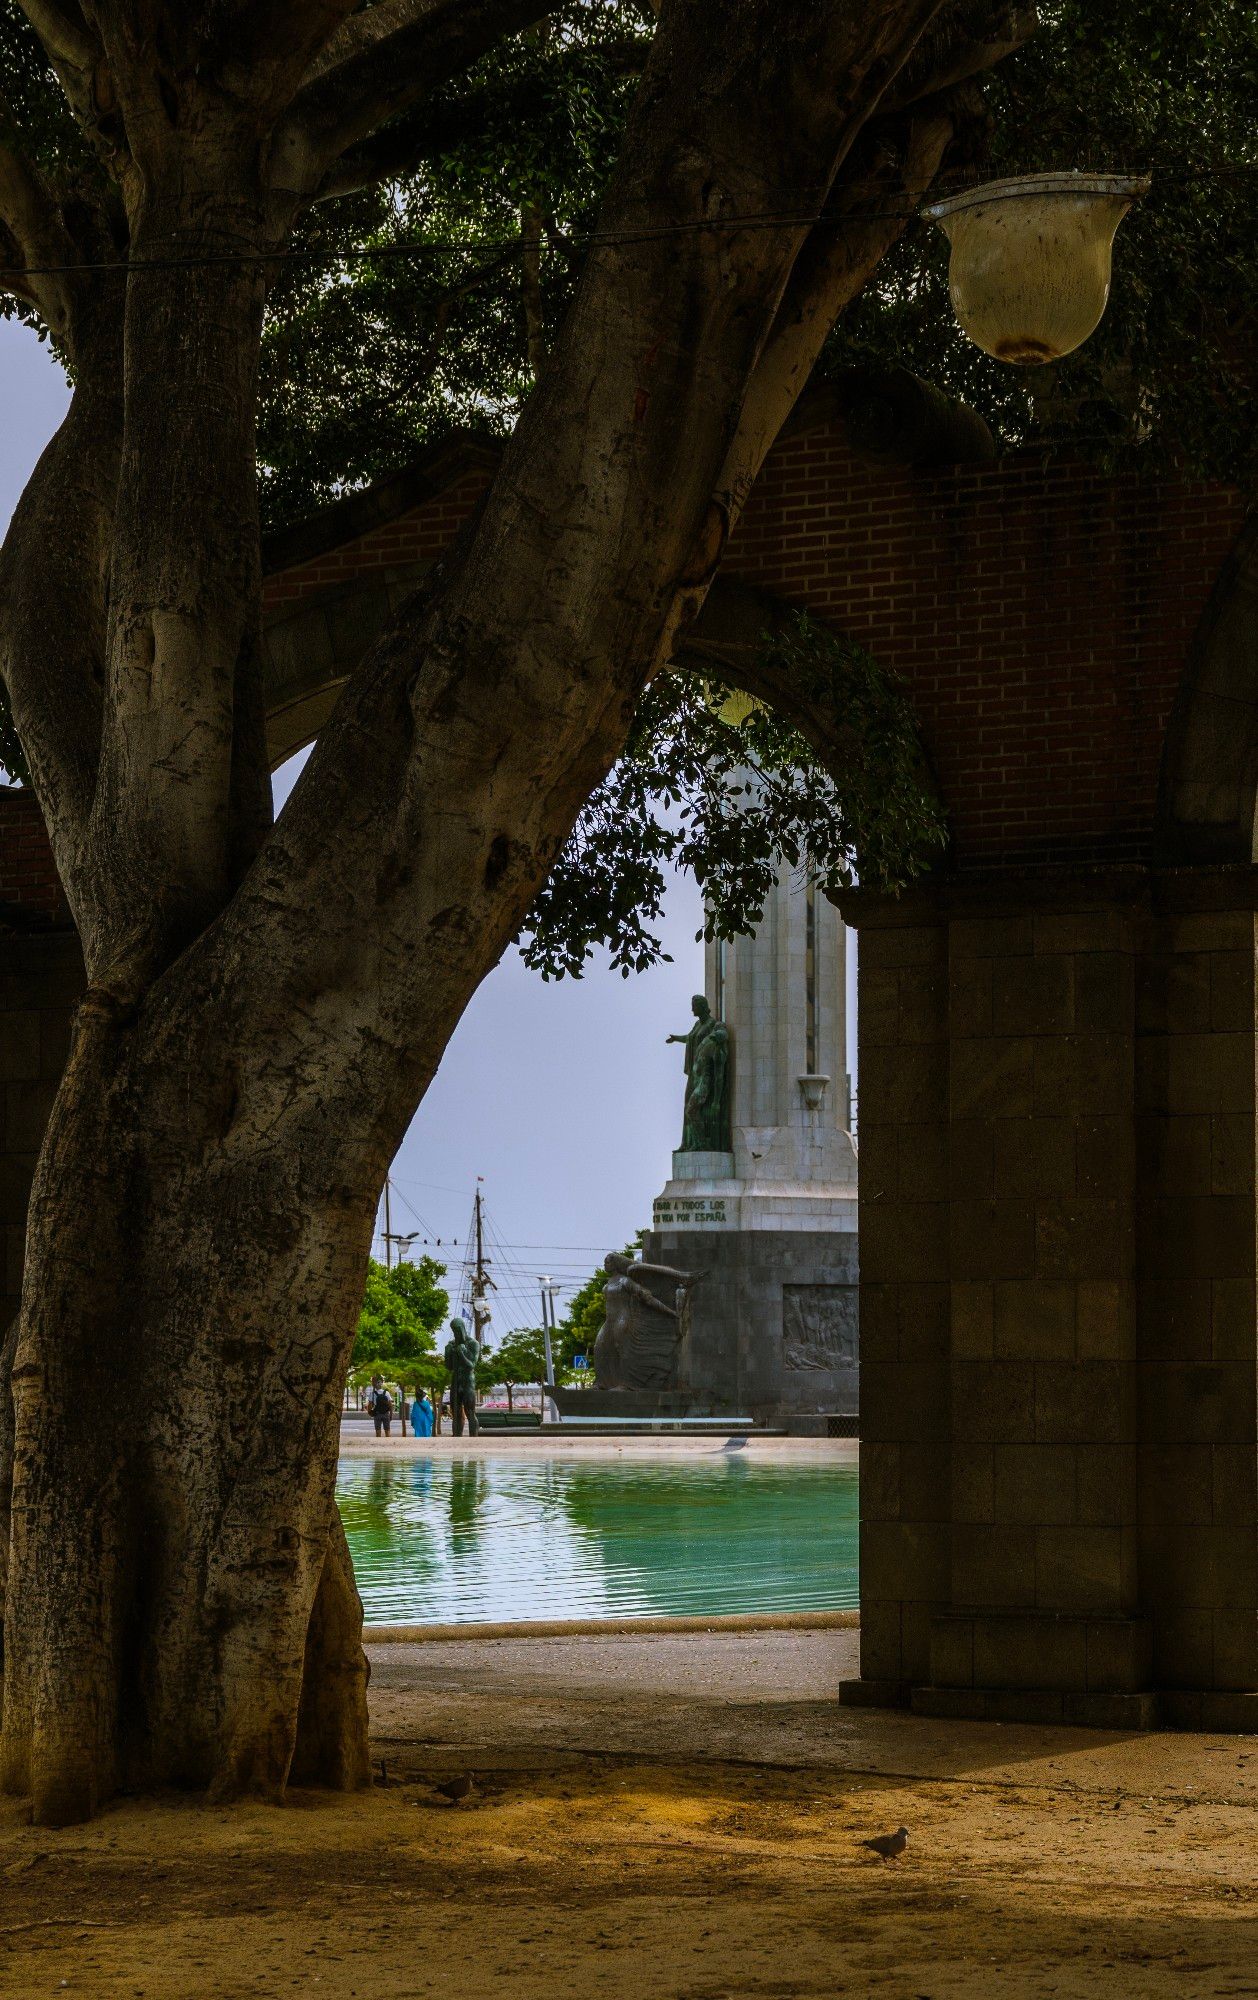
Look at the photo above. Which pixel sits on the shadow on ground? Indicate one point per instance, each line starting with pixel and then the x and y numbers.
pixel 675 1820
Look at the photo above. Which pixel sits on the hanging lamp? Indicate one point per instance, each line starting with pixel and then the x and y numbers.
pixel 1029 271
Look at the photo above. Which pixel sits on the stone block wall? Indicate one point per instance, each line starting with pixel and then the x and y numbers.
pixel 905 1385
pixel 1197 1305
pixel 1059 1367
pixel 773 1320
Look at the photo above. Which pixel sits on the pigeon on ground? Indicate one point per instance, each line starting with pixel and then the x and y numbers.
pixel 457 1789
pixel 889 1845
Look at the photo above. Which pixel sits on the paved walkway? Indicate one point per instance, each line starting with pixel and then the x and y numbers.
pixel 767 1697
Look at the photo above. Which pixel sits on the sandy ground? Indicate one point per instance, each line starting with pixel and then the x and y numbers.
pixel 678 1817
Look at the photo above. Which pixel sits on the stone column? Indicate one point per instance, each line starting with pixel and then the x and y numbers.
pixel 783 994
pixel 905 1388
pixel 771 1224
pixel 1197 1256
pixel 1059 1362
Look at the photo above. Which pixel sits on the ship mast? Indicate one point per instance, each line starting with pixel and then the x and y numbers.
pixel 480 1281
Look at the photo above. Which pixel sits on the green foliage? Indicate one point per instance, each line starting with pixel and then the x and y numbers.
pixel 520 1358
pixel 428 1371
pixel 402 1309
pixel 367 362
pixel 680 797
pixel 34 114
pixel 364 364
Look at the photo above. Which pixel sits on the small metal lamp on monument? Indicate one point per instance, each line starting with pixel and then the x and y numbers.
pixel 1029 272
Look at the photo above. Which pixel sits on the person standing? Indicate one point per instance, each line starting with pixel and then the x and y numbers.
pixel 380 1404
pixel 421 1416
pixel 461 1356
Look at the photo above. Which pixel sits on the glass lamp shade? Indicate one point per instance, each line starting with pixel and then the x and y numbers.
pixel 1029 271
pixel 736 707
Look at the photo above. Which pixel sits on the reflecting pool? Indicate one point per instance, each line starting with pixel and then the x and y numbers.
pixel 458 1540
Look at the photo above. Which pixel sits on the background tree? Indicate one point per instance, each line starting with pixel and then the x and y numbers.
pixel 428 1371
pixel 266 1004
pixel 519 1359
pixel 402 1309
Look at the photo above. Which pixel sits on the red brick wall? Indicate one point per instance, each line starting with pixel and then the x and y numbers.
pixel 419 536
pixel 1041 613
pixel 30 892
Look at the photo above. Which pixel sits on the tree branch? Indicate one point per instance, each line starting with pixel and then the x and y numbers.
pixel 63 32
pixel 867 211
pixel 29 216
pixel 401 147
pixel 54 565
pixel 863 218
pixel 430 132
pixel 364 30
pixel 282 40
pixel 345 104
pixel 406 141
pixel 969 41
pixel 73 51
pixel 531 285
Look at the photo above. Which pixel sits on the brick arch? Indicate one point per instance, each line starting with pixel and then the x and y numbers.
pixel 1208 802
pixel 311 646
pixel 334 580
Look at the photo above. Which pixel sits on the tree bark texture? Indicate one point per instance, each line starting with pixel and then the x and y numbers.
pixel 54 569
pixel 265 1009
pixel 199 1300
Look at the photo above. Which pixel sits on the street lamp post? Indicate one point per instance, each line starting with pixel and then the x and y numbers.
pixel 548 1288
pixel 400 1243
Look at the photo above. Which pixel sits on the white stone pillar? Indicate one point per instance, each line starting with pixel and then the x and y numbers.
pixel 782 993
pixel 769 1229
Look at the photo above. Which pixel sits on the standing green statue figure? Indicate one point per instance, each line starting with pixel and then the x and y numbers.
pixel 705 1125
pixel 461 1356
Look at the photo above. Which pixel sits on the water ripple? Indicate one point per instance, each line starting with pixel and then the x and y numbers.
pixel 436 1540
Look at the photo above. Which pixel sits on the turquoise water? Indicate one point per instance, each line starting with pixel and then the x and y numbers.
pixel 446 1541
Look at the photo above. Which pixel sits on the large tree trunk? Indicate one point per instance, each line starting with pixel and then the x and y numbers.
pixel 181 1596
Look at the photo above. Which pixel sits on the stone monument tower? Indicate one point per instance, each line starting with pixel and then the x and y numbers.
pixel 766 1223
